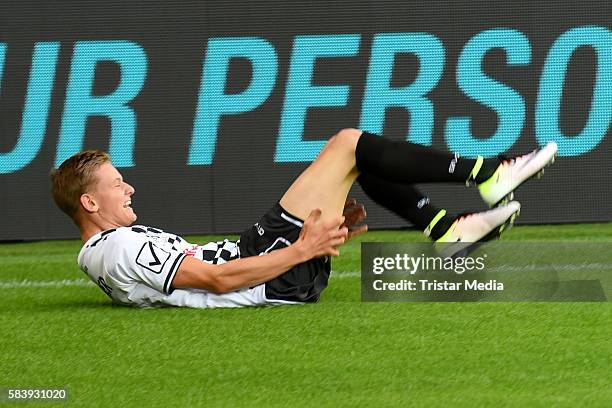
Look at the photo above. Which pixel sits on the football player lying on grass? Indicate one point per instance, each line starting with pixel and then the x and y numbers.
pixel 285 257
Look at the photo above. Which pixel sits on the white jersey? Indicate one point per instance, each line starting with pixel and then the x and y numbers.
pixel 136 265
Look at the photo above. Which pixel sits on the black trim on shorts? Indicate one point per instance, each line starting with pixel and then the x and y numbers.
pixel 288 214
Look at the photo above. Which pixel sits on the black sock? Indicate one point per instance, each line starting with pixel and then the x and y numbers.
pixel 486 170
pixel 407 202
pixel 409 163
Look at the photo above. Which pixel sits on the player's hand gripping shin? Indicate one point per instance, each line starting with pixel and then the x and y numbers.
pixel 317 238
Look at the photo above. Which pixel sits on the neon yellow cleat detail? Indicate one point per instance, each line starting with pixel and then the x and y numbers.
pixel 510 174
pixel 470 231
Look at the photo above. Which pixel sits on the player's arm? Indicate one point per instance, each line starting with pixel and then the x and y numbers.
pixel 316 239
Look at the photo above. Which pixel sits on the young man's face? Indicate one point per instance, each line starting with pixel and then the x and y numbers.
pixel 112 196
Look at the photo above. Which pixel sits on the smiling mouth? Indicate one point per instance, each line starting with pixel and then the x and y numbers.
pixel 128 204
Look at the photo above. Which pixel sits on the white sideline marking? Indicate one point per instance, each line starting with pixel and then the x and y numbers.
pixel 27 283
pixel 344 275
pixel 63 283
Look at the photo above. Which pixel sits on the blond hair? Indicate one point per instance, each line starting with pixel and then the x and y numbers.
pixel 74 177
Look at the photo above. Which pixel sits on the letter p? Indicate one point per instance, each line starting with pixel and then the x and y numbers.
pixel 214 103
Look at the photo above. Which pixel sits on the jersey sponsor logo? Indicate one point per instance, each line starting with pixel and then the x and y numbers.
pixel 152 257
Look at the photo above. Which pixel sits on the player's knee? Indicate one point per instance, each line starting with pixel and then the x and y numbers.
pixel 347 138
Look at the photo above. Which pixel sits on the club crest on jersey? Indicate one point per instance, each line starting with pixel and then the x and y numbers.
pixel 152 257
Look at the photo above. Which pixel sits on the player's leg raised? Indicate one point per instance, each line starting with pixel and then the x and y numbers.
pixel 326 182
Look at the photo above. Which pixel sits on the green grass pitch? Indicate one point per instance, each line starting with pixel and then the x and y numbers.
pixel 339 352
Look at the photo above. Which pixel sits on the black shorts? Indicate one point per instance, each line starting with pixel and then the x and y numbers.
pixel 275 230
